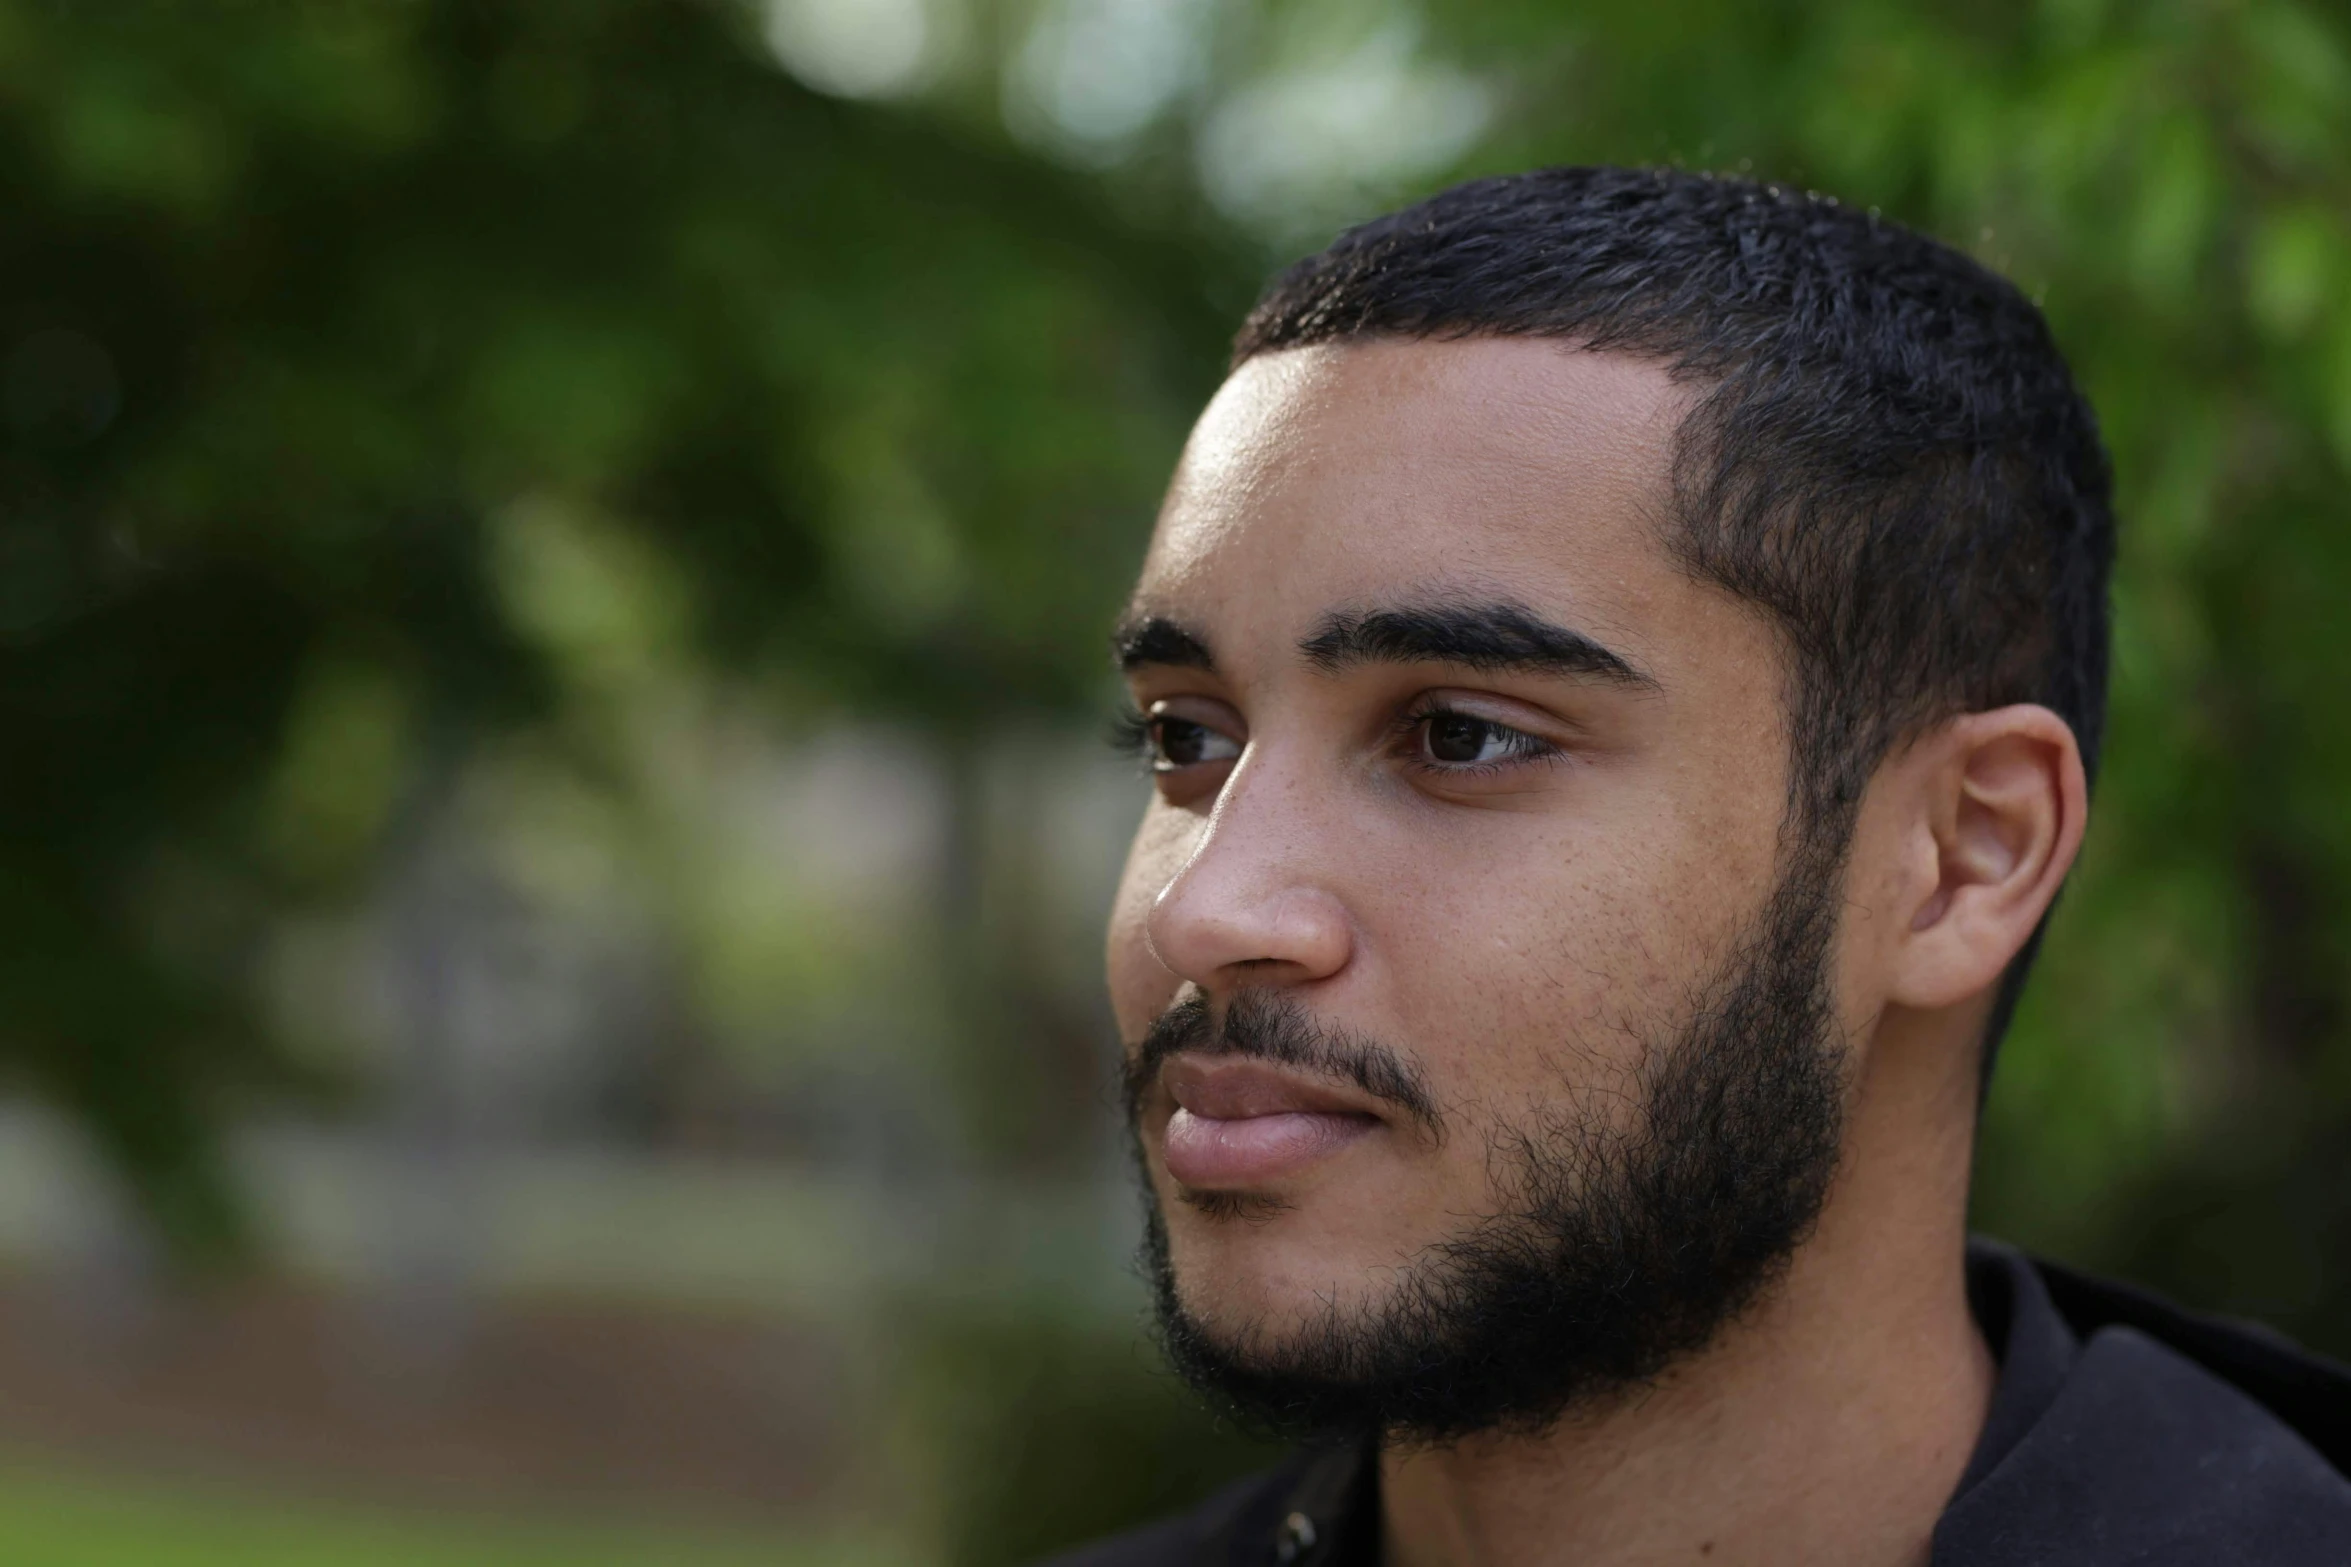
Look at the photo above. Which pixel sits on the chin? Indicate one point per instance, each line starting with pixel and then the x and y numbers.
pixel 1249 1268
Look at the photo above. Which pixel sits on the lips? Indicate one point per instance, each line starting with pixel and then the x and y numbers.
pixel 1242 1124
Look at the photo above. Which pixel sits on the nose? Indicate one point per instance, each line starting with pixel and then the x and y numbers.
pixel 1253 905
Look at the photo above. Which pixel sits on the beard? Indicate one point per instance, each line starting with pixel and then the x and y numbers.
pixel 1615 1249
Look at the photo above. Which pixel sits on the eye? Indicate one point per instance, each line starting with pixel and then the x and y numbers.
pixel 1463 740
pixel 1175 743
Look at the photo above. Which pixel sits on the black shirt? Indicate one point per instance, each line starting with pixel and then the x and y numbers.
pixel 2121 1430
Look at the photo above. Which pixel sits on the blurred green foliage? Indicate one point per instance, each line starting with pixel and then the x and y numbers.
pixel 332 331
pixel 350 354
pixel 53 1517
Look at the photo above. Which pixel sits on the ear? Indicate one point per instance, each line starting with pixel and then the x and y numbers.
pixel 1996 809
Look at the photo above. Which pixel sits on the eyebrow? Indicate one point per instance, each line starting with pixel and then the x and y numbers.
pixel 1496 637
pixel 1142 640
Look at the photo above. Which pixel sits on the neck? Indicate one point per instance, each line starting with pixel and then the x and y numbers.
pixel 1832 1422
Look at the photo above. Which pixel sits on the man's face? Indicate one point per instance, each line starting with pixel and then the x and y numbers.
pixel 1458 773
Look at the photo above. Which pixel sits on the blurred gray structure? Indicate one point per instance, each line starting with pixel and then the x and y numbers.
pixel 679 1061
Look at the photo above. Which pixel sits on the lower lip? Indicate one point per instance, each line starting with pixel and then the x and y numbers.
pixel 1208 1154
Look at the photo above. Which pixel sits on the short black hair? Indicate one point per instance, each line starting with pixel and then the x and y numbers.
pixel 1888 455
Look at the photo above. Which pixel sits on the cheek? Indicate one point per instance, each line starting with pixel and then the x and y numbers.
pixel 1546 973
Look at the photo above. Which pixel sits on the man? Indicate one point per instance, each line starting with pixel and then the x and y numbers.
pixel 1622 662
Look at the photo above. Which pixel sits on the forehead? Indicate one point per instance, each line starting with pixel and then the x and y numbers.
pixel 1352 475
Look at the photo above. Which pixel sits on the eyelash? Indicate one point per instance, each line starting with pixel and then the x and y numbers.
pixel 1130 735
pixel 1522 747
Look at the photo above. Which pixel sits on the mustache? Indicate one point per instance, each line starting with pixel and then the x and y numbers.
pixel 1268 1025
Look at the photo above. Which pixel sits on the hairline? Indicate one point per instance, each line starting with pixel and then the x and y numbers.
pixel 1806 832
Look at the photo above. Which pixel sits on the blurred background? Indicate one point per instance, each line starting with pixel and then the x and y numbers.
pixel 554 564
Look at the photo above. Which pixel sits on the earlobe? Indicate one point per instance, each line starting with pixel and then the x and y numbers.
pixel 2006 805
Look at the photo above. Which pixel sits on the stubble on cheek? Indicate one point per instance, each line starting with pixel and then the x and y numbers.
pixel 1542 1008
